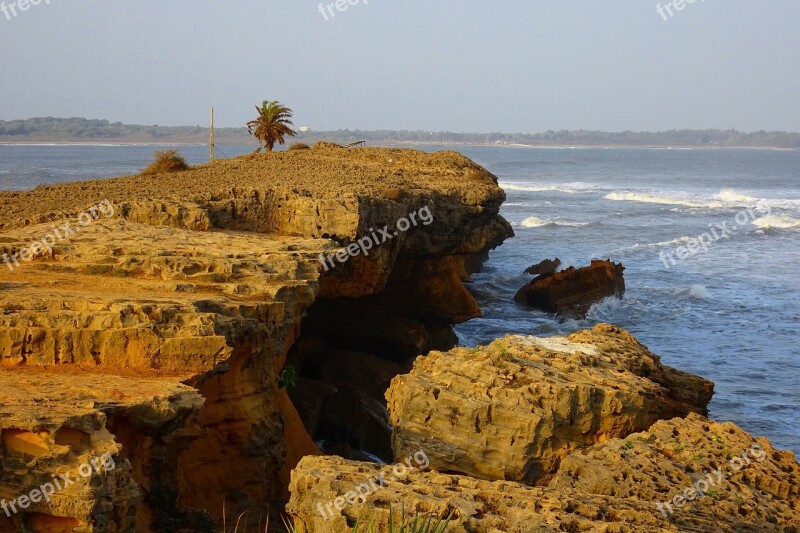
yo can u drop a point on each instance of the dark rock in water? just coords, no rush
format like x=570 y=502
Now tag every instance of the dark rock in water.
x=572 y=292
x=545 y=268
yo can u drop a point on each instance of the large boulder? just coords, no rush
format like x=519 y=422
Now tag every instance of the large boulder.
x=570 y=293
x=512 y=410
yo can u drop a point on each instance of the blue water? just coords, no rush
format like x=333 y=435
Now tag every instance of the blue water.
x=729 y=313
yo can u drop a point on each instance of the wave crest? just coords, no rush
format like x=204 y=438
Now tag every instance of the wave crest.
x=656 y=199
x=536 y=222
x=777 y=222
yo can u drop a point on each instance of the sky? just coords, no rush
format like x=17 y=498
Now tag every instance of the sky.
x=463 y=66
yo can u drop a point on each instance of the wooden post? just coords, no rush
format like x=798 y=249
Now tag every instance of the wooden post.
x=211 y=140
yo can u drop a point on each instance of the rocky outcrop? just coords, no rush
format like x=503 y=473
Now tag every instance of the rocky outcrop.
x=514 y=409
x=571 y=292
x=692 y=464
x=588 y=417
x=204 y=278
x=616 y=486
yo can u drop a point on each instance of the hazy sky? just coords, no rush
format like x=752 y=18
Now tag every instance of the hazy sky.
x=501 y=65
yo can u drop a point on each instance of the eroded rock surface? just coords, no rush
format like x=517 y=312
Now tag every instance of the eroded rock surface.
x=514 y=409
x=319 y=483
x=204 y=278
x=735 y=474
x=70 y=429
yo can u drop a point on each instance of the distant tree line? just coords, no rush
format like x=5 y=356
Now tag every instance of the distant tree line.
x=65 y=129
x=709 y=138
x=81 y=128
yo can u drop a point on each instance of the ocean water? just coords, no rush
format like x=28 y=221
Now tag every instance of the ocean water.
x=728 y=312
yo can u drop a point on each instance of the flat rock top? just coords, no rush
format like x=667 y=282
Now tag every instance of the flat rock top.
x=49 y=398
x=321 y=172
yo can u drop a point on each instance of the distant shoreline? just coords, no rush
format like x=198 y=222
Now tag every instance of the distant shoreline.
x=391 y=143
x=76 y=130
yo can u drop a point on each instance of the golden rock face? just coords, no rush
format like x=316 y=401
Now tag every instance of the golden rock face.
x=581 y=433
x=162 y=324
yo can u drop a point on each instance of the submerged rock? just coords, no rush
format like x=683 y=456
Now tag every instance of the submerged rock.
x=571 y=292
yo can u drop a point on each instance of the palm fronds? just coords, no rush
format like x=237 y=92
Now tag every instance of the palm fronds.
x=273 y=124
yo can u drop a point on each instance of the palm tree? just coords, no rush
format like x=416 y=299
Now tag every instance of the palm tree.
x=272 y=124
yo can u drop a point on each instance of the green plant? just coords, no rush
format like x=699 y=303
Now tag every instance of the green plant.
x=713 y=494
x=288 y=379
x=628 y=445
x=679 y=447
x=272 y=125
x=164 y=162
x=299 y=146
x=416 y=524
x=505 y=355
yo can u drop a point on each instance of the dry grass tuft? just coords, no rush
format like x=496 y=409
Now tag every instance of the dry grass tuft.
x=165 y=162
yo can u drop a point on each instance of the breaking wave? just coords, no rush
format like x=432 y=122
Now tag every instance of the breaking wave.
x=656 y=199
x=536 y=222
x=777 y=222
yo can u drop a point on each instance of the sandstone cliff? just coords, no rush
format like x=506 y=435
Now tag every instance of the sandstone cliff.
x=203 y=280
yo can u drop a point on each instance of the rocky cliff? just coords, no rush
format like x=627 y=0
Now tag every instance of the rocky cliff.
x=573 y=433
x=178 y=303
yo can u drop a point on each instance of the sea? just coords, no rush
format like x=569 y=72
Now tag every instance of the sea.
x=710 y=241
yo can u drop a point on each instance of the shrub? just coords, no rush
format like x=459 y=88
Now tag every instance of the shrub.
x=299 y=146
x=288 y=378
x=165 y=161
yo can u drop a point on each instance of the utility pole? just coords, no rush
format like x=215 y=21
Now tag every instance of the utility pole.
x=211 y=140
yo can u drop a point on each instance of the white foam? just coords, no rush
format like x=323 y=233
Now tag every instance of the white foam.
x=568 y=188
x=536 y=222
x=696 y=292
x=730 y=195
x=656 y=199
x=777 y=222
